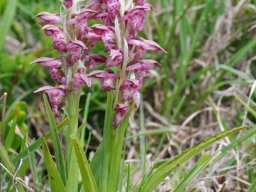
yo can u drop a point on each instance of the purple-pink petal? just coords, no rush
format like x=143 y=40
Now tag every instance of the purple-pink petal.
x=68 y=3
x=48 y=62
x=121 y=110
x=142 y=65
x=144 y=44
x=48 y=18
x=115 y=58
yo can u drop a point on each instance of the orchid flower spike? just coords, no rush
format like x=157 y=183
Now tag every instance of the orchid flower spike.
x=123 y=68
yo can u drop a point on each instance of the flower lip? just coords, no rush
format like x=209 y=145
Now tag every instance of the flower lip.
x=142 y=65
x=108 y=74
x=51 y=30
x=86 y=13
x=48 y=18
x=48 y=62
x=99 y=29
x=81 y=78
x=121 y=110
x=50 y=88
x=115 y=58
x=94 y=5
x=79 y=43
x=131 y=83
x=120 y=107
x=146 y=44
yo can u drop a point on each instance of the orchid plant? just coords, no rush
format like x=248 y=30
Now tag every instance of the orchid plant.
x=124 y=72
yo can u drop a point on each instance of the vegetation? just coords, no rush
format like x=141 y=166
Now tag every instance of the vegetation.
x=194 y=130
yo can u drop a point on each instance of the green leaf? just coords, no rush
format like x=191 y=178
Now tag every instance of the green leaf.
x=107 y=143
x=56 y=139
x=157 y=175
x=96 y=163
x=195 y=170
x=85 y=116
x=6 y=20
x=53 y=174
x=85 y=169
x=11 y=135
x=235 y=72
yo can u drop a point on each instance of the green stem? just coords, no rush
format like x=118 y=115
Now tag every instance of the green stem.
x=107 y=143
x=72 y=166
x=142 y=140
x=116 y=153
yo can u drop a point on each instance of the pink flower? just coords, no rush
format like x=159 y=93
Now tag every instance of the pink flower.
x=68 y=3
x=101 y=15
x=108 y=84
x=136 y=19
x=94 y=5
x=121 y=110
x=115 y=58
x=82 y=79
x=107 y=35
x=82 y=17
x=92 y=36
x=74 y=49
x=108 y=39
x=130 y=87
x=107 y=79
x=144 y=44
x=80 y=26
x=58 y=75
x=48 y=18
x=56 y=97
x=136 y=16
x=48 y=62
x=141 y=4
x=143 y=65
x=113 y=7
x=51 y=30
x=100 y=29
x=93 y=60
x=59 y=42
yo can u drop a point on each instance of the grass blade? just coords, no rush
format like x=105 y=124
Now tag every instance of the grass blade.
x=195 y=170
x=85 y=116
x=54 y=177
x=11 y=134
x=107 y=143
x=85 y=169
x=56 y=139
x=96 y=164
x=158 y=174
x=7 y=19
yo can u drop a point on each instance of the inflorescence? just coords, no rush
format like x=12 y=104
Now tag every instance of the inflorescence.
x=118 y=22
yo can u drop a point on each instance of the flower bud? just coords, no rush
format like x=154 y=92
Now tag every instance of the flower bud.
x=121 y=110
x=68 y=3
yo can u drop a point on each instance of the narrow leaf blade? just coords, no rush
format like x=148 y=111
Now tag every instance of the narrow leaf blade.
x=157 y=175
x=54 y=177
x=85 y=169
x=56 y=139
